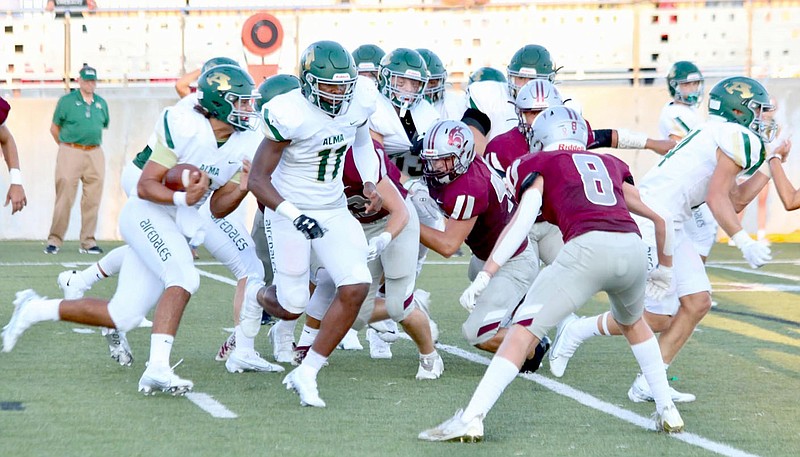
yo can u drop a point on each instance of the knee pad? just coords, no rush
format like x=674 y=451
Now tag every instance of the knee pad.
x=126 y=318
x=185 y=278
x=293 y=293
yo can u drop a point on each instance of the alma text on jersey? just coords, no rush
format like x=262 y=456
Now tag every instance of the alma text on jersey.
x=331 y=140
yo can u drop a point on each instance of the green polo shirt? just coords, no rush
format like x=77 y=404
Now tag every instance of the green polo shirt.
x=81 y=123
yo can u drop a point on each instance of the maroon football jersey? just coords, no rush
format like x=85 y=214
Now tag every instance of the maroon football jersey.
x=354 y=185
x=582 y=191
x=4 y=109
x=478 y=192
x=504 y=149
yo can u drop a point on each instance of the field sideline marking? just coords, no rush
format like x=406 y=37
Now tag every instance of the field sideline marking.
x=602 y=406
x=208 y=404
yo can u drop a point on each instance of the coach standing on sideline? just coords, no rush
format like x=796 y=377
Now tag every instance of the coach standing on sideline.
x=78 y=124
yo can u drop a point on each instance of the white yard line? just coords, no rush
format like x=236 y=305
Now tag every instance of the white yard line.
x=208 y=404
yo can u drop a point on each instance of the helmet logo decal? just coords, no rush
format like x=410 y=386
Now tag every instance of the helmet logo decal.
x=739 y=86
x=221 y=80
x=456 y=138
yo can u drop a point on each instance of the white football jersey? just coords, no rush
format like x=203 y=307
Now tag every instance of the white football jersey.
x=678 y=119
x=680 y=181
x=451 y=106
x=309 y=173
x=492 y=99
x=189 y=136
x=386 y=121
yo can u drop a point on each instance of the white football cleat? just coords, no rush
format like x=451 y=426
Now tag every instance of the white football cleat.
x=250 y=314
x=306 y=387
x=163 y=379
x=387 y=329
x=378 y=347
x=455 y=429
x=118 y=346
x=72 y=284
x=350 y=342
x=21 y=319
x=430 y=367
x=640 y=392
x=668 y=420
x=282 y=344
x=226 y=348
x=564 y=346
x=241 y=360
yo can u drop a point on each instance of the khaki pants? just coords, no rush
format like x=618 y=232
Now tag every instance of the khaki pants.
x=88 y=167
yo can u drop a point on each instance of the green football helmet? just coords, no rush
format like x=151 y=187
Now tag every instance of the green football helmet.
x=214 y=61
x=530 y=62
x=228 y=93
x=327 y=62
x=276 y=85
x=685 y=72
x=487 y=74
x=744 y=101
x=437 y=75
x=402 y=63
x=368 y=58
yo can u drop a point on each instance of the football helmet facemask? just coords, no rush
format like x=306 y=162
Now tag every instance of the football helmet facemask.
x=744 y=101
x=402 y=63
x=327 y=62
x=228 y=93
x=448 y=149
x=685 y=72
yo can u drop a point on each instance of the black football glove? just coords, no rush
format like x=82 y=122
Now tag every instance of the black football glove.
x=309 y=226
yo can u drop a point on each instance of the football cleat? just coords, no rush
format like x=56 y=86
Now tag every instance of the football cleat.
x=21 y=319
x=226 y=348
x=533 y=364
x=668 y=420
x=118 y=346
x=72 y=284
x=282 y=344
x=640 y=392
x=387 y=330
x=250 y=314
x=378 y=347
x=241 y=360
x=163 y=379
x=564 y=346
x=455 y=429
x=350 y=342
x=306 y=387
x=430 y=367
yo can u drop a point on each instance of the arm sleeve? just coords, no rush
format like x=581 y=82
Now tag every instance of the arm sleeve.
x=477 y=119
x=365 y=157
x=518 y=228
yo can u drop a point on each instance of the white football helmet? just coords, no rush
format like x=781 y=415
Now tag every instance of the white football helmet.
x=558 y=128
x=535 y=96
x=448 y=149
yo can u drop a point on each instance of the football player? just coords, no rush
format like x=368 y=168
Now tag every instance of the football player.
x=158 y=269
x=478 y=206
x=368 y=58
x=589 y=197
x=8 y=148
x=703 y=167
x=447 y=102
x=297 y=176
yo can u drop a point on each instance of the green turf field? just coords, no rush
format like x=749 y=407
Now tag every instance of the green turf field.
x=61 y=395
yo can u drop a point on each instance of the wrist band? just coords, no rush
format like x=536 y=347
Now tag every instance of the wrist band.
x=179 y=199
x=288 y=210
x=16 y=176
x=774 y=156
x=627 y=139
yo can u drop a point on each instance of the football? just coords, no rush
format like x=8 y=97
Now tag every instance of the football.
x=179 y=176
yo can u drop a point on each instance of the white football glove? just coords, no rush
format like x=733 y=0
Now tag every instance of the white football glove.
x=757 y=253
x=472 y=292
x=427 y=209
x=378 y=244
x=659 y=282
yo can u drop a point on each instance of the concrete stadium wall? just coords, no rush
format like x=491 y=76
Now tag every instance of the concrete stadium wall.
x=134 y=113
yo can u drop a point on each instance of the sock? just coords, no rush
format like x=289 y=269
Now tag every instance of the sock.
x=648 y=355
x=243 y=342
x=421 y=355
x=585 y=328
x=497 y=377
x=285 y=326
x=47 y=310
x=91 y=274
x=307 y=336
x=314 y=361
x=160 y=349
